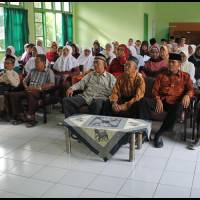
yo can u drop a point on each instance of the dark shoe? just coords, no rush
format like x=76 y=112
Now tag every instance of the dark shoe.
x=31 y=123
x=195 y=145
x=19 y=121
x=158 y=143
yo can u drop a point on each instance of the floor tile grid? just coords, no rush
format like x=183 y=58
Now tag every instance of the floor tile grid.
x=99 y=174
x=143 y=181
x=27 y=158
x=177 y=140
x=198 y=158
x=141 y=157
x=163 y=170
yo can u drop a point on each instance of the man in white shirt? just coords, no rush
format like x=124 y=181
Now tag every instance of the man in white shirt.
x=8 y=79
x=182 y=45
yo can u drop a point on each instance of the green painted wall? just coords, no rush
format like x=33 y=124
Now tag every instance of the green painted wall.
x=106 y=21
x=175 y=12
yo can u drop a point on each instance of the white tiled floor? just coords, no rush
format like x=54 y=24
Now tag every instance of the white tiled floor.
x=33 y=163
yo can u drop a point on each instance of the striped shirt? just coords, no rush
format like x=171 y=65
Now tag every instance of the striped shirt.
x=95 y=86
x=40 y=78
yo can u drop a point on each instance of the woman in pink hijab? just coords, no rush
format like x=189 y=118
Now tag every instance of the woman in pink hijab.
x=155 y=64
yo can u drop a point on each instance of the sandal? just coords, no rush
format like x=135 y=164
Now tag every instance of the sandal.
x=31 y=123
x=19 y=121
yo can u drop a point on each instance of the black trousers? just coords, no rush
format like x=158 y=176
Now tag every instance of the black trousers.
x=72 y=104
x=4 y=87
x=174 y=111
x=133 y=111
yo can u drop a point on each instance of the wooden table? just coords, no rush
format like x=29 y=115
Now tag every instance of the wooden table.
x=102 y=134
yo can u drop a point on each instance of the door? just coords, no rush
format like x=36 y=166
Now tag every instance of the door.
x=146 y=26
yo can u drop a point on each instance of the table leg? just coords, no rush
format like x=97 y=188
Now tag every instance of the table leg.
x=68 y=141
x=139 y=142
x=132 y=148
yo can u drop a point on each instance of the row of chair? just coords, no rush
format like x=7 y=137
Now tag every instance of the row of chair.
x=53 y=96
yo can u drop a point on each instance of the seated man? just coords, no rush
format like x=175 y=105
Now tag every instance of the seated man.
x=8 y=78
x=40 y=78
x=96 y=85
x=128 y=90
x=171 y=92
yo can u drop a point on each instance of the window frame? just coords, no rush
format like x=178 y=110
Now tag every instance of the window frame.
x=7 y=4
x=21 y=5
x=43 y=10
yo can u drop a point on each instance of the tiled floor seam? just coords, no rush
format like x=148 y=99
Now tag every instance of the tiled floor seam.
x=163 y=171
x=194 y=173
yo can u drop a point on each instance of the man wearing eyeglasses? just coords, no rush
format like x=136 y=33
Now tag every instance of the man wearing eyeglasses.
x=128 y=90
x=8 y=79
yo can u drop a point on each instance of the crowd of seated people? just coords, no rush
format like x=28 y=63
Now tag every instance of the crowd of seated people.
x=112 y=81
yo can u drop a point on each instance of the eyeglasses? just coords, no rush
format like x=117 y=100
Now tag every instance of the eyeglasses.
x=37 y=62
x=6 y=63
x=128 y=65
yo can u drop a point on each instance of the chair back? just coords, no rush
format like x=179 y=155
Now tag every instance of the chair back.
x=152 y=73
x=149 y=83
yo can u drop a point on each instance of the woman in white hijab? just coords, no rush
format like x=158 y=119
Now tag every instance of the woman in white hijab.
x=25 y=51
x=187 y=66
x=10 y=50
x=41 y=44
x=79 y=49
x=86 y=59
x=31 y=62
x=66 y=66
x=131 y=43
x=108 y=53
x=132 y=52
x=191 y=49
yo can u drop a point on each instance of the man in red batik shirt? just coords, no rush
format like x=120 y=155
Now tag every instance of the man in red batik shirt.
x=172 y=92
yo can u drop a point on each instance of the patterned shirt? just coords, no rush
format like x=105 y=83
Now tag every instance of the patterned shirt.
x=40 y=78
x=95 y=86
x=172 y=87
x=128 y=87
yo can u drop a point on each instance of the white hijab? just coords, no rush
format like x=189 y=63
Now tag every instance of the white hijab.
x=139 y=57
x=79 y=47
x=25 y=52
x=112 y=55
x=44 y=49
x=87 y=61
x=193 y=48
x=12 y=54
x=133 y=50
x=188 y=66
x=66 y=63
x=31 y=62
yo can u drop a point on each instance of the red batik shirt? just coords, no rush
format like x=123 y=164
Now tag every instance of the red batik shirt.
x=172 y=87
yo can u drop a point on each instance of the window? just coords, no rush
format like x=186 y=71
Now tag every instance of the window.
x=2 y=33
x=48 y=21
x=12 y=4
